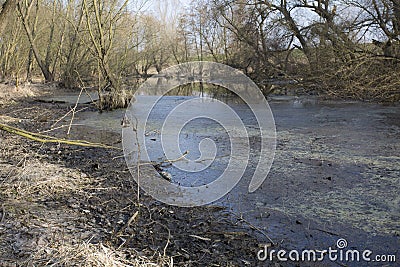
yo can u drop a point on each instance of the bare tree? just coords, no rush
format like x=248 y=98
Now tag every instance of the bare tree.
x=24 y=10
x=13 y=50
x=101 y=20
x=7 y=9
x=76 y=62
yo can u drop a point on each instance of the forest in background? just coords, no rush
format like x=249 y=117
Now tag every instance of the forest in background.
x=343 y=48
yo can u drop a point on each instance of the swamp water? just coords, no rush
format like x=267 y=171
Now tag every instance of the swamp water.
x=336 y=172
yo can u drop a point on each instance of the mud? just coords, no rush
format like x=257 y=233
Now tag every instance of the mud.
x=335 y=175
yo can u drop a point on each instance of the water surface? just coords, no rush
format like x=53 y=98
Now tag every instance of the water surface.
x=336 y=171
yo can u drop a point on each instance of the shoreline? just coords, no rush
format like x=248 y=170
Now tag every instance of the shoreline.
x=60 y=199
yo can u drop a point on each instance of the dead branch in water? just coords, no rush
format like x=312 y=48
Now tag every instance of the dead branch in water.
x=50 y=139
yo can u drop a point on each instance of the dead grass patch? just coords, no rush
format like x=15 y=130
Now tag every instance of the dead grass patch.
x=43 y=223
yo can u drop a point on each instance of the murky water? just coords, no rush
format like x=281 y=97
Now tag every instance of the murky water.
x=336 y=169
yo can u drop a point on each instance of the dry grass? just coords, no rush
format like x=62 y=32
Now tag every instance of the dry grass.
x=10 y=93
x=32 y=178
x=42 y=221
x=96 y=255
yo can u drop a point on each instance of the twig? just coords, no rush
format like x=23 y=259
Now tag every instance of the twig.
x=134 y=127
x=162 y=162
x=50 y=139
x=128 y=223
x=84 y=87
x=60 y=127
x=177 y=159
x=57 y=121
x=220 y=157
x=326 y=231
x=132 y=218
x=65 y=115
x=200 y=237
x=73 y=112
x=253 y=227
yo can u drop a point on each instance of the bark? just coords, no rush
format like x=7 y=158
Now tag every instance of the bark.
x=7 y=9
x=396 y=18
x=48 y=75
x=295 y=30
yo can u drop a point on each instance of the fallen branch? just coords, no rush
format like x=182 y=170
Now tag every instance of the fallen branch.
x=50 y=139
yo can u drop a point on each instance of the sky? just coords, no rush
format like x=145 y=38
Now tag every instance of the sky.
x=172 y=6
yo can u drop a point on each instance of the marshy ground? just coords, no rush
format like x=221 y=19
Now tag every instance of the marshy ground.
x=336 y=175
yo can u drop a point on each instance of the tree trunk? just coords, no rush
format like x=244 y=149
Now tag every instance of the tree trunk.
x=45 y=70
x=396 y=18
x=296 y=31
x=7 y=8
